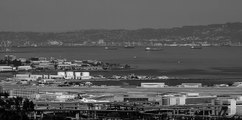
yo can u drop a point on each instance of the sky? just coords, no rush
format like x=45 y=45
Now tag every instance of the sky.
x=68 y=15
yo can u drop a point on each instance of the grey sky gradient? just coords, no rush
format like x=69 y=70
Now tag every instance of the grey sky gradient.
x=65 y=15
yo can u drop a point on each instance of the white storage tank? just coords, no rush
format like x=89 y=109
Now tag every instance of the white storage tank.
x=63 y=74
x=70 y=75
x=78 y=75
x=85 y=74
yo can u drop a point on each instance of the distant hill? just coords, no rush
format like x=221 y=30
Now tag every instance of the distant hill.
x=214 y=33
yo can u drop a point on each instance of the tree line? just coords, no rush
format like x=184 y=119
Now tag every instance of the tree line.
x=14 y=108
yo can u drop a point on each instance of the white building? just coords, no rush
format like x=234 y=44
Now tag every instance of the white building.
x=191 y=85
x=22 y=77
x=27 y=77
x=173 y=100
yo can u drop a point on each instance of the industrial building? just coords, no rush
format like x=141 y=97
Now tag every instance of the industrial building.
x=135 y=97
x=173 y=100
x=7 y=68
x=231 y=103
x=60 y=75
x=195 y=100
x=23 y=92
x=54 y=96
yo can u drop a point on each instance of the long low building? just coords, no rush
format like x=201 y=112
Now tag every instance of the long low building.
x=152 y=85
x=7 y=68
x=23 y=92
x=191 y=85
x=24 y=67
x=10 y=68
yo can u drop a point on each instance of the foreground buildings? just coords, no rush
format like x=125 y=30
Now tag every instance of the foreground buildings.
x=155 y=99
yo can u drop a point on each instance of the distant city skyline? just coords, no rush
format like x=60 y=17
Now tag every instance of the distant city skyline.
x=69 y=15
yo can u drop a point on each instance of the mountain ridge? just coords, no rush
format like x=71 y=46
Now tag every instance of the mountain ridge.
x=212 y=33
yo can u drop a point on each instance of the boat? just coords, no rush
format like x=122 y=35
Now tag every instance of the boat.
x=152 y=49
x=110 y=48
x=129 y=46
x=196 y=47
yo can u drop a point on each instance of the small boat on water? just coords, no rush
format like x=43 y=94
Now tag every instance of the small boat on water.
x=129 y=46
x=110 y=48
x=152 y=49
x=196 y=47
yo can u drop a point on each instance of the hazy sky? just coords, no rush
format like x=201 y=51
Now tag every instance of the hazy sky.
x=64 y=15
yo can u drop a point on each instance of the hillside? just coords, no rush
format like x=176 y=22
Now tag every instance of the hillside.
x=229 y=33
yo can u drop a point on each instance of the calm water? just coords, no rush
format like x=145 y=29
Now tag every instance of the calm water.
x=173 y=61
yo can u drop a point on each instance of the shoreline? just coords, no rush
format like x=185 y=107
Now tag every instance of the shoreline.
x=214 y=73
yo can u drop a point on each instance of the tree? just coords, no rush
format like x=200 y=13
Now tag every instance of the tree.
x=28 y=105
x=2 y=103
x=5 y=94
x=31 y=106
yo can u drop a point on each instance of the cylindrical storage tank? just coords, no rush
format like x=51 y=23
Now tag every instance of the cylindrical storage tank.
x=78 y=75
x=69 y=74
x=61 y=74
